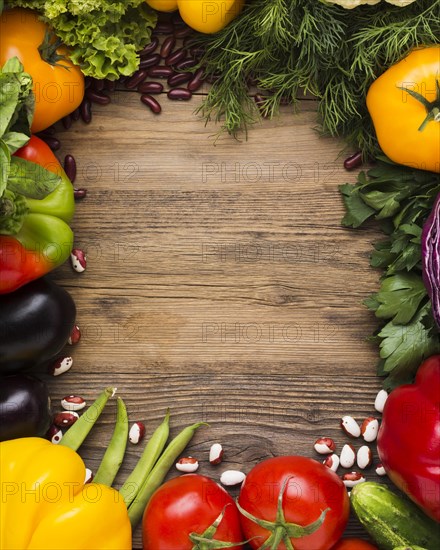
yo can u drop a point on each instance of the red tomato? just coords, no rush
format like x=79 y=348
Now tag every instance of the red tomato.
x=354 y=544
x=189 y=504
x=311 y=488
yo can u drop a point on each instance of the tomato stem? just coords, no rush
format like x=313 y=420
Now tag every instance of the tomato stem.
x=205 y=541
x=280 y=529
x=432 y=107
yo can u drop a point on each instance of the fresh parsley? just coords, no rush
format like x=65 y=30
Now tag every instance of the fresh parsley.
x=399 y=199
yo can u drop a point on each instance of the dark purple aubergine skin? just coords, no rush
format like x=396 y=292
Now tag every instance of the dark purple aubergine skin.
x=24 y=407
x=35 y=323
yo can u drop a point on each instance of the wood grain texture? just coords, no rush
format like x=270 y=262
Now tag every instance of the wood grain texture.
x=220 y=281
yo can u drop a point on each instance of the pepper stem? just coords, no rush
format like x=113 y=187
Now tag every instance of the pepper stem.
x=280 y=529
x=48 y=50
x=432 y=107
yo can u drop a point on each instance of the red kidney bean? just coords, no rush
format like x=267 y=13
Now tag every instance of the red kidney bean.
x=70 y=167
x=110 y=85
x=179 y=94
x=53 y=142
x=138 y=77
x=185 y=64
x=97 y=85
x=150 y=61
x=167 y=46
x=197 y=81
x=86 y=110
x=75 y=114
x=160 y=72
x=152 y=103
x=150 y=88
x=80 y=193
x=353 y=161
x=98 y=97
x=149 y=48
x=183 y=31
x=48 y=131
x=163 y=28
x=179 y=79
x=67 y=122
x=175 y=57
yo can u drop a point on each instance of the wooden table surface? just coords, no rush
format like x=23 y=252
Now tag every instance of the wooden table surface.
x=220 y=283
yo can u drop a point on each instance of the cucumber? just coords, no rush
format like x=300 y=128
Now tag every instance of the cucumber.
x=393 y=521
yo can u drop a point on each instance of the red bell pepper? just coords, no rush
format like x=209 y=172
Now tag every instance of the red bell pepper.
x=44 y=239
x=409 y=437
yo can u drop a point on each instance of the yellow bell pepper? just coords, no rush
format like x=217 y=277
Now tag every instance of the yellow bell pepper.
x=207 y=16
x=46 y=505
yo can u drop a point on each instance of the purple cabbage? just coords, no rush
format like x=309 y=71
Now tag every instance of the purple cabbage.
x=431 y=258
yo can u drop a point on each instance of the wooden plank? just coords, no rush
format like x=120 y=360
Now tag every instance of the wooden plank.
x=253 y=417
x=219 y=281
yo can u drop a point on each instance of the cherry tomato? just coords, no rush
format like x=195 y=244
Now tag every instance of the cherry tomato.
x=302 y=489
x=189 y=504
x=353 y=544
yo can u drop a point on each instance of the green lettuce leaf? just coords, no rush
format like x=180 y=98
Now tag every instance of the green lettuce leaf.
x=103 y=35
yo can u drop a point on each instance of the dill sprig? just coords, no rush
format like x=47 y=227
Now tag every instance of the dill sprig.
x=294 y=47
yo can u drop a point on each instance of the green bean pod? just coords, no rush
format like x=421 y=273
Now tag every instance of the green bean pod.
x=149 y=457
x=160 y=470
x=76 y=434
x=114 y=455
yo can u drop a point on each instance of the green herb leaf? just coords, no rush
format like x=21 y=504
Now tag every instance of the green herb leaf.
x=5 y=163
x=357 y=211
x=13 y=65
x=15 y=140
x=401 y=198
x=404 y=347
x=399 y=298
x=9 y=94
x=30 y=179
x=17 y=102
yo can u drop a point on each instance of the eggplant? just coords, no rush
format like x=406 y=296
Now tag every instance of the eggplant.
x=35 y=323
x=24 y=407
